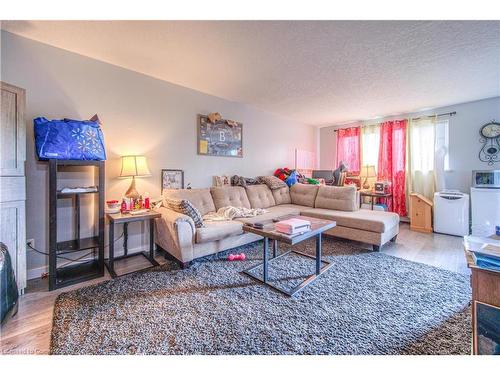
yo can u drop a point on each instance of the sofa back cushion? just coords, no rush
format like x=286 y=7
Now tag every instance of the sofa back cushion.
x=342 y=198
x=224 y=196
x=282 y=195
x=200 y=198
x=303 y=194
x=260 y=196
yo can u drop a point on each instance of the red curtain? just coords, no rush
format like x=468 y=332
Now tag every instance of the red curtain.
x=392 y=162
x=348 y=148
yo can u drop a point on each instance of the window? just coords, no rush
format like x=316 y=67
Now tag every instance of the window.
x=429 y=156
x=348 y=151
x=370 y=143
x=422 y=145
x=442 y=142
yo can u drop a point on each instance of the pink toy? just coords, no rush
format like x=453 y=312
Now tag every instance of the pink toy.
x=232 y=257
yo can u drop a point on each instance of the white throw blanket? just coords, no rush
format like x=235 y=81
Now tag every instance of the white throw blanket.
x=230 y=213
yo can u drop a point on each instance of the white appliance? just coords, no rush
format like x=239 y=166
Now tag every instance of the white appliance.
x=485 y=210
x=486 y=179
x=451 y=212
x=485 y=201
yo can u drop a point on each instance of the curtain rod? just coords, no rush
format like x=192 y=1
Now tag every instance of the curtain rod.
x=441 y=114
x=415 y=118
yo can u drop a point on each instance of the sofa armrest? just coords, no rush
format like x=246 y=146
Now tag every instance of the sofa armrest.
x=175 y=233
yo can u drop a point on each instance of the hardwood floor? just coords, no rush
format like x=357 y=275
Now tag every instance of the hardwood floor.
x=29 y=331
x=439 y=250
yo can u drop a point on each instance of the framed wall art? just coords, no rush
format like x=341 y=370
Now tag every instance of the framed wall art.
x=172 y=179
x=223 y=180
x=219 y=137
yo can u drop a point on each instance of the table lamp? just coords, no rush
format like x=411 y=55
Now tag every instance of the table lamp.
x=134 y=166
x=367 y=171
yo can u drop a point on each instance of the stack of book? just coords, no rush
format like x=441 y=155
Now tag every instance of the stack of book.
x=293 y=226
x=486 y=255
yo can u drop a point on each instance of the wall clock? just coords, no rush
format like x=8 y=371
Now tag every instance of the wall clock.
x=490 y=137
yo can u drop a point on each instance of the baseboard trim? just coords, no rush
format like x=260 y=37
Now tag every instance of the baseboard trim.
x=36 y=273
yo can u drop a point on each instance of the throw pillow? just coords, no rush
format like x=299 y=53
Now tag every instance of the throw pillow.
x=272 y=182
x=242 y=181
x=183 y=206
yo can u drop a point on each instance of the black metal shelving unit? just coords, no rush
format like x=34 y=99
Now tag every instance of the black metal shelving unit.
x=82 y=270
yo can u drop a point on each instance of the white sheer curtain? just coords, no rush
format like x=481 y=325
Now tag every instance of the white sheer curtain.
x=370 y=142
x=441 y=159
x=428 y=155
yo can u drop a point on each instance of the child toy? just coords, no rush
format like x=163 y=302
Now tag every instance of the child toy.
x=232 y=257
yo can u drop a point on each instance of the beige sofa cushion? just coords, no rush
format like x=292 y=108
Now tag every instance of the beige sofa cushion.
x=341 y=198
x=303 y=194
x=217 y=230
x=235 y=196
x=200 y=198
x=282 y=195
x=373 y=221
x=260 y=196
x=274 y=212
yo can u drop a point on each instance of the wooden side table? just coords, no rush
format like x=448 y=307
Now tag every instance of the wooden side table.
x=125 y=219
x=373 y=195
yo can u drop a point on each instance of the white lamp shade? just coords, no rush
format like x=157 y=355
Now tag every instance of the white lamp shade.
x=368 y=171
x=134 y=166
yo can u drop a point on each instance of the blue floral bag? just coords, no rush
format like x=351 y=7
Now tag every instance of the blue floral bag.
x=69 y=139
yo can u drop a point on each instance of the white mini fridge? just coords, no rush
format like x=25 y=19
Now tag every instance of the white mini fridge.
x=451 y=213
x=485 y=210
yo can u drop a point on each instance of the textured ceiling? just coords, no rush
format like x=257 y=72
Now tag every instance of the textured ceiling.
x=316 y=72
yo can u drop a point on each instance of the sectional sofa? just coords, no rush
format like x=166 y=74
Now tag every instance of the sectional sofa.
x=177 y=235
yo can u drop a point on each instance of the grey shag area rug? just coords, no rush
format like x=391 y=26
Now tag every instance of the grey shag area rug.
x=366 y=303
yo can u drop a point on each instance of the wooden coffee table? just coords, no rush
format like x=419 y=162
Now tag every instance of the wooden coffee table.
x=318 y=226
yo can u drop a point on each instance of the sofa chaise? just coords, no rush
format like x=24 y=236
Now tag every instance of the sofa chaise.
x=178 y=236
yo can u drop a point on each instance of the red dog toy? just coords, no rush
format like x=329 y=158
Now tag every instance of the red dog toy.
x=236 y=257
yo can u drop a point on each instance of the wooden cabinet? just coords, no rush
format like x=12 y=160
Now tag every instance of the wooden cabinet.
x=485 y=291
x=420 y=213
x=12 y=178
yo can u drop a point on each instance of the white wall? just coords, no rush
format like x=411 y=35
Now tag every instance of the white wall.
x=141 y=115
x=464 y=138
x=327 y=148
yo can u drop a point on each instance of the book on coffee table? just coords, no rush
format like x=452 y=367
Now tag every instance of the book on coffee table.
x=293 y=226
